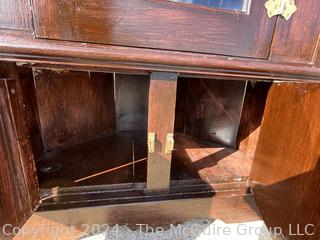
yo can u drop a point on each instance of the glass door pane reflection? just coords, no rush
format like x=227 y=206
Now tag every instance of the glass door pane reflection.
x=237 y=5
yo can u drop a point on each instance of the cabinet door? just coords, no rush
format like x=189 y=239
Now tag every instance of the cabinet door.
x=18 y=183
x=237 y=27
x=286 y=166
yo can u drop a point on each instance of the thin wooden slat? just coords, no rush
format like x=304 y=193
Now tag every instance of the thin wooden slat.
x=161 y=111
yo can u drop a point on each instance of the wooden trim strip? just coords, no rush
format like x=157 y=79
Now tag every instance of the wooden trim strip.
x=22 y=48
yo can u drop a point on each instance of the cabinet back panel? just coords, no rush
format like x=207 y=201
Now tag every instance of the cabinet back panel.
x=210 y=109
x=74 y=107
x=131 y=98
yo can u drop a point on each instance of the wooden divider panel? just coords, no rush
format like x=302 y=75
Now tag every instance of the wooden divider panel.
x=161 y=111
x=286 y=166
x=18 y=183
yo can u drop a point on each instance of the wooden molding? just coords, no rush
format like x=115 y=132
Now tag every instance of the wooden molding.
x=21 y=47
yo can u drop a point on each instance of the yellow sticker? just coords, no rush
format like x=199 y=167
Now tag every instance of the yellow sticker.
x=280 y=7
x=289 y=9
x=274 y=7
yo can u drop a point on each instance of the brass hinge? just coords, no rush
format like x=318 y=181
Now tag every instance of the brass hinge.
x=284 y=8
x=169 y=144
x=151 y=141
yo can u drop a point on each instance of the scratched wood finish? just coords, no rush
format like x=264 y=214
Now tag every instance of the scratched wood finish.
x=157 y=24
x=18 y=182
x=161 y=110
x=74 y=107
x=15 y=15
x=286 y=166
x=297 y=40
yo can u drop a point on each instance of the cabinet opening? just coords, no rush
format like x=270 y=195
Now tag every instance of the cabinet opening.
x=88 y=128
x=216 y=129
x=88 y=132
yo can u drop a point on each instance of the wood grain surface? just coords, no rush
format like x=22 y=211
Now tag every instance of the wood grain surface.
x=157 y=24
x=285 y=171
x=297 y=40
x=210 y=108
x=74 y=107
x=18 y=181
x=15 y=15
x=251 y=116
x=97 y=57
x=161 y=110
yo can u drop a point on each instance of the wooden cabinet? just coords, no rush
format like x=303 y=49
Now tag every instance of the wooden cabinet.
x=136 y=103
x=201 y=140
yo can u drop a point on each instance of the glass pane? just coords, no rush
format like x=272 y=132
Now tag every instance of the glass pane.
x=238 y=5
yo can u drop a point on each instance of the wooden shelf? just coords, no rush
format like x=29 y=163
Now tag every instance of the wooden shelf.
x=104 y=161
x=109 y=161
x=195 y=158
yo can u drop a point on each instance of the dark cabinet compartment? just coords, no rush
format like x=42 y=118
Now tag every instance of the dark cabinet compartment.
x=89 y=128
x=216 y=128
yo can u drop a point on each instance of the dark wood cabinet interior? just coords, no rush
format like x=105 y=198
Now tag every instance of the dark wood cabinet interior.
x=110 y=103
x=90 y=128
x=210 y=125
x=86 y=135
